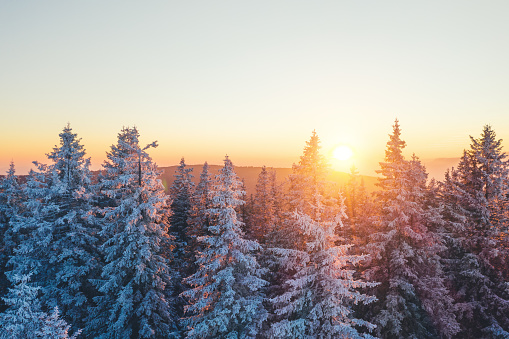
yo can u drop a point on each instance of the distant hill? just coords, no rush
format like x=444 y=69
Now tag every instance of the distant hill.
x=436 y=167
x=250 y=175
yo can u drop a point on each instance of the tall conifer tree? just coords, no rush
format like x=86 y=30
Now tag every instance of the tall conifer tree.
x=56 y=238
x=11 y=200
x=199 y=217
x=474 y=197
x=264 y=205
x=413 y=298
x=318 y=289
x=225 y=299
x=132 y=302
x=182 y=259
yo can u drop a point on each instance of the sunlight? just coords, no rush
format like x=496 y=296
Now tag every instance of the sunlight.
x=342 y=152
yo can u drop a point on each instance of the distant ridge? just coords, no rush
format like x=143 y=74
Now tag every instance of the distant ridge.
x=437 y=167
x=250 y=175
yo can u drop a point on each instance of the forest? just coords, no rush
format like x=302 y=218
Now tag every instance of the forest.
x=112 y=255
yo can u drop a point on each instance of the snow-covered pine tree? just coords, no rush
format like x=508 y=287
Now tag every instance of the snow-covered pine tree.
x=266 y=228
x=473 y=202
x=199 y=218
x=264 y=205
x=360 y=210
x=11 y=200
x=183 y=260
x=493 y=168
x=308 y=177
x=225 y=299
x=74 y=244
x=132 y=303
x=53 y=327
x=59 y=243
x=180 y=192
x=319 y=296
x=24 y=318
x=413 y=298
x=316 y=286
x=32 y=230
x=245 y=211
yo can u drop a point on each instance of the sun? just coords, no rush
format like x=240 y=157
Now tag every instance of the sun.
x=342 y=152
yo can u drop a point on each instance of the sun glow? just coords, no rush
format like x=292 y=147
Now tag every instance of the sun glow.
x=342 y=152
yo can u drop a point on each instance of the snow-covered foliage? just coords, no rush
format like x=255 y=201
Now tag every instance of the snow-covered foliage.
x=11 y=200
x=360 y=209
x=114 y=254
x=308 y=178
x=56 y=241
x=182 y=260
x=317 y=285
x=263 y=207
x=24 y=318
x=320 y=295
x=413 y=298
x=135 y=273
x=225 y=299
x=474 y=197
x=199 y=218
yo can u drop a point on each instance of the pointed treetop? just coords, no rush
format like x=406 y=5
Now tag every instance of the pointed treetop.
x=227 y=162
x=312 y=147
x=12 y=170
x=488 y=143
x=395 y=145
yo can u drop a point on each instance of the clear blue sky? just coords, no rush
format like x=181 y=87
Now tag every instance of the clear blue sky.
x=252 y=79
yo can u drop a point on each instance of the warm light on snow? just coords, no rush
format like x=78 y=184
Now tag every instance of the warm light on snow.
x=343 y=152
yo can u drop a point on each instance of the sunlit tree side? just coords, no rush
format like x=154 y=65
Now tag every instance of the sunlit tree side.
x=317 y=288
x=360 y=209
x=474 y=200
x=320 y=294
x=413 y=298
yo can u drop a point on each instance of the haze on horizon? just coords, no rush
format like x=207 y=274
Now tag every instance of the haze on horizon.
x=252 y=80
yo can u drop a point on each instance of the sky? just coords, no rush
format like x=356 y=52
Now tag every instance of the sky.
x=252 y=79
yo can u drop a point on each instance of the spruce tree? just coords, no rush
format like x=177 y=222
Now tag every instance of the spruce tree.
x=57 y=242
x=360 y=210
x=182 y=259
x=264 y=205
x=308 y=177
x=132 y=302
x=473 y=199
x=199 y=217
x=11 y=200
x=225 y=299
x=316 y=289
x=320 y=294
x=413 y=298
